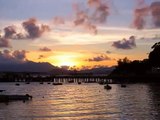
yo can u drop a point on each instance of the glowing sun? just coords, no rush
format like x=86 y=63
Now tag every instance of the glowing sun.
x=65 y=60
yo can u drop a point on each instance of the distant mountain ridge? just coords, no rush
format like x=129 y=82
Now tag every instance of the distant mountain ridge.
x=99 y=70
x=28 y=66
x=46 y=67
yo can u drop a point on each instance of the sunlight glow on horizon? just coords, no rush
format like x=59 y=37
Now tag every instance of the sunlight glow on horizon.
x=68 y=59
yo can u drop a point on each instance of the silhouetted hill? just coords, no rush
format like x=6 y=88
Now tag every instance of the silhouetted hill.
x=27 y=67
x=99 y=70
x=30 y=66
x=146 y=70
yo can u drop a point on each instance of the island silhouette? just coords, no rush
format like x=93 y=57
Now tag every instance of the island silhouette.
x=146 y=70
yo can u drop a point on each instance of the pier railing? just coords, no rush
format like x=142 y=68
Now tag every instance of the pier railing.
x=57 y=78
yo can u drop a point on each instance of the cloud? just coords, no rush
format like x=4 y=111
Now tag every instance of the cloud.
x=98 y=58
x=58 y=20
x=33 y=30
x=96 y=11
x=8 y=34
x=45 y=49
x=155 y=11
x=41 y=56
x=9 y=31
x=140 y=14
x=125 y=44
x=143 y=11
x=31 y=27
x=83 y=19
x=19 y=36
x=101 y=10
x=4 y=43
x=108 y=52
x=91 y=28
x=81 y=15
x=139 y=17
x=17 y=56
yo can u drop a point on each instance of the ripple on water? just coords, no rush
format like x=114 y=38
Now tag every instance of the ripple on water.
x=82 y=102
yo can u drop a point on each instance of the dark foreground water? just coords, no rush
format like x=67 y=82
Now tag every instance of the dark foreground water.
x=82 y=102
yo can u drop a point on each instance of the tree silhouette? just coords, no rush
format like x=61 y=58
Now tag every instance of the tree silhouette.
x=154 y=56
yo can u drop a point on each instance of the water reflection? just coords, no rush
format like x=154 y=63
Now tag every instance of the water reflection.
x=155 y=103
x=83 y=102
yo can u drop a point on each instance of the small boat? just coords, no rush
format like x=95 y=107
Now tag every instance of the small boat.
x=41 y=83
x=27 y=82
x=7 y=98
x=57 y=84
x=107 y=87
x=17 y=84
x=79 y=83
x=123 y=85
x=2 y=90
x=49 y=83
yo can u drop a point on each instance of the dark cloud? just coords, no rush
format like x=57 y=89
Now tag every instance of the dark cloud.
x=139 y=17
x=101 y=10
x=17 y=56
x=140 y=14
x=108 y=52
x=91 y=28
x=155 y=11
x=96 y=11
x=33 y=30
x=6 y=54
x=45 y=49
x=81 y=15
x=83 y=19
x=125 y=44
x=9 y=31
x=4 y=42
x=98 y=58
x=41 y=56
x=143 y=10
x=19 y=36
x=30 y=26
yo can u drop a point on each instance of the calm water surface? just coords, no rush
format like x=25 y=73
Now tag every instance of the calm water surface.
x=82 y=102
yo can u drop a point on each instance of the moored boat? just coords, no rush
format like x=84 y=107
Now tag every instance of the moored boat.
x=7 y=98
x=123 y=85
x=17 y=84
x=41 y=83
x=79 y=83
x=57 y=84
x=107 y=87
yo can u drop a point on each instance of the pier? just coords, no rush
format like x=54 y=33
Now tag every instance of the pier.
x=39 y=77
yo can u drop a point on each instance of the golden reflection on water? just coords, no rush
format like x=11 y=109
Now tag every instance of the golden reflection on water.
x=80 y=102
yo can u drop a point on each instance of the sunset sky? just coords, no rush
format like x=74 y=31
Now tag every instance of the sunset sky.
x=82 y=33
